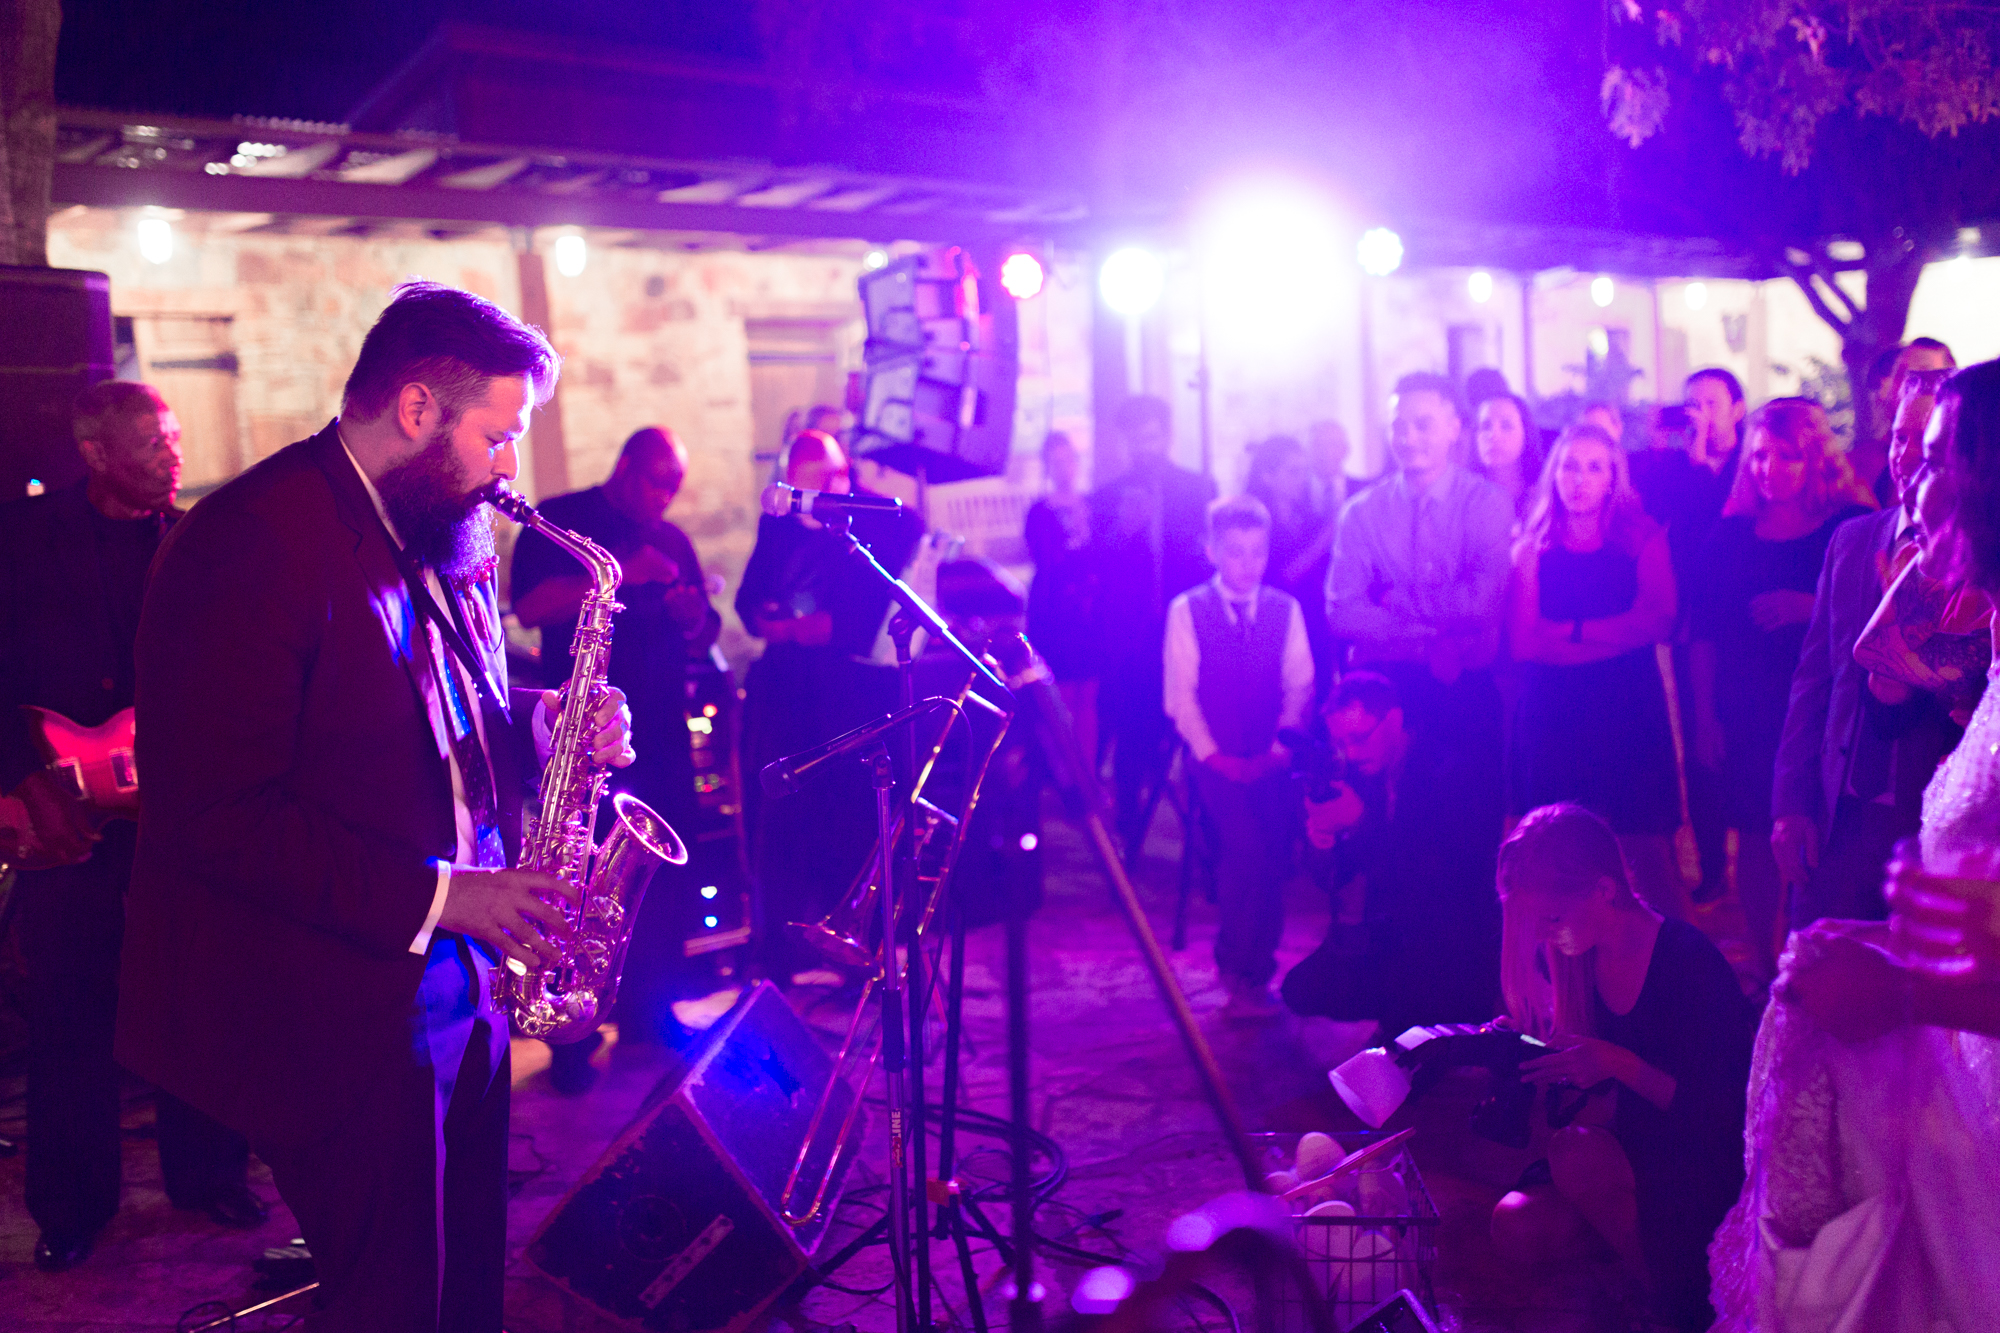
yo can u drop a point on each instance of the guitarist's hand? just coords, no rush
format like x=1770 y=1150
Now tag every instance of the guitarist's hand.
x=62 y=825
x=515 y=911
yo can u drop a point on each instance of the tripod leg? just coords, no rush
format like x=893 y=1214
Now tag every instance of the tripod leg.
x=1025 y=1314
x=951 y=1217
x=894 y=1056
x=920 y=1281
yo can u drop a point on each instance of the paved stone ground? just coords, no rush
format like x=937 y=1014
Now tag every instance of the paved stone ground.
x=1112 y=1086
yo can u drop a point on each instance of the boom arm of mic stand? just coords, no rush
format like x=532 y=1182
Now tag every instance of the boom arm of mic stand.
x=933 y=624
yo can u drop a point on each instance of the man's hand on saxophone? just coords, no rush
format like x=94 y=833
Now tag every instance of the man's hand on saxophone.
x=611 y=744
x=515 y=911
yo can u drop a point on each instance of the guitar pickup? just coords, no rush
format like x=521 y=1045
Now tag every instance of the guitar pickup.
x=124 y=770
x=71 y=773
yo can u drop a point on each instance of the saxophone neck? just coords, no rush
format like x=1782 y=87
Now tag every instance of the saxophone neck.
x=603 y=566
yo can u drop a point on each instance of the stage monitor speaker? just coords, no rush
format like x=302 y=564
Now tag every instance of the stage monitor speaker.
x=676 y=1228
x=943 y=356
x=55 y=342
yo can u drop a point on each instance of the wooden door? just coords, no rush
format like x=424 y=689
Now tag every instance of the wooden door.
x=191 y=360
x=795 y=364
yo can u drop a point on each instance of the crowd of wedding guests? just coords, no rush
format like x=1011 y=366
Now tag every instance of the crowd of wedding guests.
x=1693 y=688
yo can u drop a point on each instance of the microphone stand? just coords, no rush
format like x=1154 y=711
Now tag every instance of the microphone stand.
x=902 y=632
x=902 y=1048
x=883 y=770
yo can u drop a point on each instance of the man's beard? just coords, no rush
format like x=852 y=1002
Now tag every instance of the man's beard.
x=440 y=524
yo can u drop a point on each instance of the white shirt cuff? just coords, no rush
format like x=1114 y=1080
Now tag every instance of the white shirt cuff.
x=422 y=943
x=543 y=726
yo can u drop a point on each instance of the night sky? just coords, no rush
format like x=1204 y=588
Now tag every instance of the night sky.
x=314 y=60
x=1472 y=109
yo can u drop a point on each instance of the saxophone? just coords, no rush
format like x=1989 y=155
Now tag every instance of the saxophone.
x=564 y=1003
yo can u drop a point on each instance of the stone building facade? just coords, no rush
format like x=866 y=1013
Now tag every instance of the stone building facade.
x=251 y=330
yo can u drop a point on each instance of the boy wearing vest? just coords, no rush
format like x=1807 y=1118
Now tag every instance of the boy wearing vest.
x=1239 y=668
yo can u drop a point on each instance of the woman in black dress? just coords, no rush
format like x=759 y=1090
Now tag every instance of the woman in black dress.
x=1591 y=597
x=1752 y=599
x=1646 y=1013
x=1062 y=601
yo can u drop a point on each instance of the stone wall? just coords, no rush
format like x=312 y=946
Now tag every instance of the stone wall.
x=651 y=337
x=651 y=334
x=300 y=304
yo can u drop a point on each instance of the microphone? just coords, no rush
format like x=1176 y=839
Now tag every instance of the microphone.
x=780 y=500
x=781 y=777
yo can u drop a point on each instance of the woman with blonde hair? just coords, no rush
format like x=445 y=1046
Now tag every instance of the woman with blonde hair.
x=1592 y=593
x=1645 y=1014
x=1752 y=601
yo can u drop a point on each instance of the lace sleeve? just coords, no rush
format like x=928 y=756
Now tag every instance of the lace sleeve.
x=1791 y=1155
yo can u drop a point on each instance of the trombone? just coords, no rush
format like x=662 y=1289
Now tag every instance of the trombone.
x=841 y=936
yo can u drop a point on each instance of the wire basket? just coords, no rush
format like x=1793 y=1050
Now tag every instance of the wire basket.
x=1390 y=1244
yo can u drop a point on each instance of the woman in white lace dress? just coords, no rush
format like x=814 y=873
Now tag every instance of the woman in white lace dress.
x=1872 y=1192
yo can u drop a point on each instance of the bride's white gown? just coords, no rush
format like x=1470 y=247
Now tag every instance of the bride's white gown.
x=1872 y=1199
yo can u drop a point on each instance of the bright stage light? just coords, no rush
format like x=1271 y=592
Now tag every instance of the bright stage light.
x=1695 y=294
x=1132 y=281
x=875 y=259
x=1380 y=252
x=1601 y=290
x=156 y=239
x=1021 y=275
x=1274 y=267
x=1480 y=286
x=572 y=253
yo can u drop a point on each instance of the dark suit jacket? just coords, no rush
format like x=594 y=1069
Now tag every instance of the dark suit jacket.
x=1830 y=702
x=59 y=645
x=1136 y=582
x=295 y=798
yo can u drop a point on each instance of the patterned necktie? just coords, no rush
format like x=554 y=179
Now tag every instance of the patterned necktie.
x=473 y=771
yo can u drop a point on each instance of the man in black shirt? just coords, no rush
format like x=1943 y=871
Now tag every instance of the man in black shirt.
x=1685 y=489
x=667 y=620
x=1406 y=847
x=72 y=575
x=1147 y=529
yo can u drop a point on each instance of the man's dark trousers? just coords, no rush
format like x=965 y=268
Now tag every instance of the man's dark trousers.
x=1253 y=826
x=72 y=922
x=439 y=1112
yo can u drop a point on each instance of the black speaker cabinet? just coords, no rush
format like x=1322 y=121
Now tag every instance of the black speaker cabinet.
x=55 y=342
x=677 y=1229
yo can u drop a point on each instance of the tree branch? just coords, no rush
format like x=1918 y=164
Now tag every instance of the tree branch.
x=1802 y=276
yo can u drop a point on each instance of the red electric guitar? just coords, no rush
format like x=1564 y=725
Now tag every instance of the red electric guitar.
x=95 y=763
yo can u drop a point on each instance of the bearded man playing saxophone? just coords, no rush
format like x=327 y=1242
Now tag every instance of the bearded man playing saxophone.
x=334 y=774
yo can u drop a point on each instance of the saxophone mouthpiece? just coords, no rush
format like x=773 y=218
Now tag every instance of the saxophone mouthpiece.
x=509 y=502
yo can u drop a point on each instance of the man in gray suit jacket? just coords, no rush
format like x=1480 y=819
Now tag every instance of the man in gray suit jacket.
x=1851 y=770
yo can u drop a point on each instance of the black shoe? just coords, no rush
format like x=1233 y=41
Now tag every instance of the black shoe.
x=570 y=1069
x=235 y=1207
x=285 y=1267
x=59 y=1254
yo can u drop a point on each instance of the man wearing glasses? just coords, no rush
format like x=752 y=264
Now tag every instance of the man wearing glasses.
x=1405 y=846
